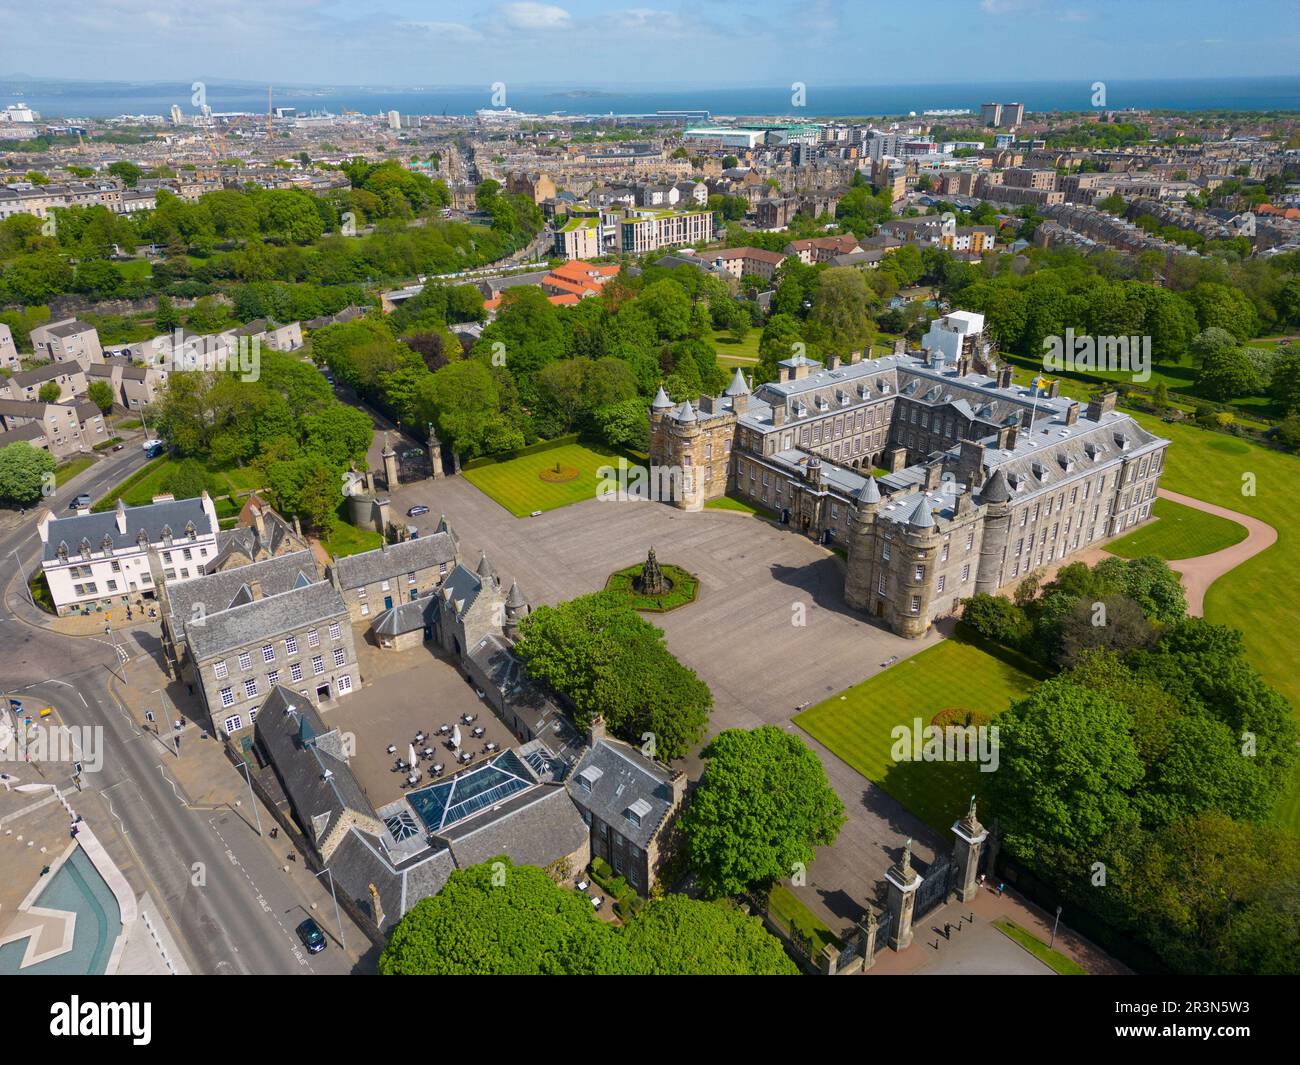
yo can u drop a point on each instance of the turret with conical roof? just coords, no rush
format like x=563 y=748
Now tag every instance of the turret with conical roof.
x=995 y=533
x=685 y=413
x=921 y=517
x=516 y=609
x=661 y=400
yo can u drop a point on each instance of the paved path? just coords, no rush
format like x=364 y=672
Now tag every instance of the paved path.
x=1199 y=573
x=979 y=949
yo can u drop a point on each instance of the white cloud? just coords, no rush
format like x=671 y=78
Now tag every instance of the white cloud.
x=452 y=31
x=527 y=15
x=1006 y=7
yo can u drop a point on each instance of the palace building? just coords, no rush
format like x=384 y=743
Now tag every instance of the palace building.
x=936 y=475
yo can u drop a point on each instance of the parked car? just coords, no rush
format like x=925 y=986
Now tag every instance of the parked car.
x=417 y=510
x=83 y=500
x=117 y=447
x=312 y=937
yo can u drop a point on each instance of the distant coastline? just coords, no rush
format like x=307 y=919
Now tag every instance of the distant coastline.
x=69 y=99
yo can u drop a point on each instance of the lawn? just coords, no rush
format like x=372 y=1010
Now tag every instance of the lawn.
x=731 y=503
x=1256 y=596
x=733 y=352
x=65 y=471
x=857 y=724
x=518 y=486
x=784 y=907
x=349 y=540
x=139 y=489
x=1179 y=532
x=1040 y=950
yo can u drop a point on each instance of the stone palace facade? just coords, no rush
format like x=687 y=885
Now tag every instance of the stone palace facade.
x=937 y=475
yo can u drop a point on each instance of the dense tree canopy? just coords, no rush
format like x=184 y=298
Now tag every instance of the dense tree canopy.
x=605 y=659
x=762 y=805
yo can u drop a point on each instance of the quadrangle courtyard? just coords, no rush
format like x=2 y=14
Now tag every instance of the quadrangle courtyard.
x=740 y=636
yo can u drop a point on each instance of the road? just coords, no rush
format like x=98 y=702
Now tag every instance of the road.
x=233 y=906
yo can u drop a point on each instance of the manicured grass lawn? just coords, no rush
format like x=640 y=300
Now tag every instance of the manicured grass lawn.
x=683 y=590
x=135 y=269
x=1257 y=596
x=1179 y=532
x=784 y=907
x=730 y=503
x=67 y=470
x=857 y=723
x=1053 y=958
x=349 y=540
x=517 y=485
x=732 y=352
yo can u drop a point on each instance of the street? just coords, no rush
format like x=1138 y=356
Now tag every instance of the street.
x=232 y=906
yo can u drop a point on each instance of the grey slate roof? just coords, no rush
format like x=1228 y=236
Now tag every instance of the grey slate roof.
x=620 y=776
x=152 y=518
x=217 y=591
x=534 y=827
x=265 y=619
x=461 y=587
x=308 y=762
x=393 y=560
x=361 y=860
x=406 y=617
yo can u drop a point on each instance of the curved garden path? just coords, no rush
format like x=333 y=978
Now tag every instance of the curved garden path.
x=1199 y=573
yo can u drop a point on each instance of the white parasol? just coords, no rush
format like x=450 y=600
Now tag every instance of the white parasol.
x=455 y=737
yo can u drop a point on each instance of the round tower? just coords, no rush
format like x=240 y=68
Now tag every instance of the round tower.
x=686 y=454
x=917 y=548
x=996 y=499
x=860 y=569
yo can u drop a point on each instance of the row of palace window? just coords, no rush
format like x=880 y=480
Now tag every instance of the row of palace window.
x=245 y=659
x=273 y=677
x=235 y=722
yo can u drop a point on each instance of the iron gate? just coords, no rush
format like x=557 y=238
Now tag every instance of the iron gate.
x=934 y=888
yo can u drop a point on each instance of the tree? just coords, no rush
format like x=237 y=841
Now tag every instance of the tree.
x=128 y=172
x=188 y=478
x=100 y=393
x=761 y=807
x=1225 y=373
x=1115 y=623
x=23 y=472
x=996 y=617
x=680 y=936
x=840 y=314
x=1068 y=764
x=499 y=918
x=606 y=660
x=49 y=392
x=1284 y=381
x=165 y=317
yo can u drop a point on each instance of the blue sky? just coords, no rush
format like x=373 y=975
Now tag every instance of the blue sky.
x=629 y=43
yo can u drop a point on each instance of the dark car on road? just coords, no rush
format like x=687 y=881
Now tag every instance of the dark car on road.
x=312 y=937
x=82 y=500
x=417 y=510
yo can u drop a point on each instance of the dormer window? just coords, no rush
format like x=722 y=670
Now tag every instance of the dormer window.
x=190 y=531
x=106 y=544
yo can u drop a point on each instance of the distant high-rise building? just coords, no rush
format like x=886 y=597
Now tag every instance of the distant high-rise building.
x=1003 y=116
x=177 y=117
x=394 y=120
